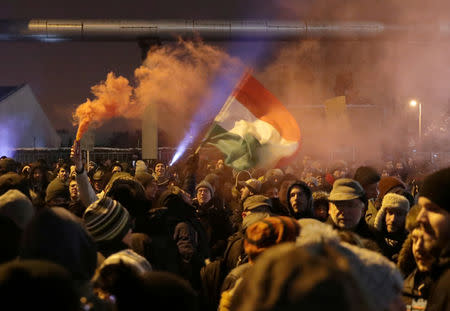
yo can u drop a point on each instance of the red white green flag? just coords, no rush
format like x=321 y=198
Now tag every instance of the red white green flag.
x=254 y=129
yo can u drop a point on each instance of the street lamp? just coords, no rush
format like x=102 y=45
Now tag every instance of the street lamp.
x=414 y=103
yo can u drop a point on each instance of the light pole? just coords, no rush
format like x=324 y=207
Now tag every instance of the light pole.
x=414 y=103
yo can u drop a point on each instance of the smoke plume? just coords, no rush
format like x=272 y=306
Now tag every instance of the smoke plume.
x=174 y=77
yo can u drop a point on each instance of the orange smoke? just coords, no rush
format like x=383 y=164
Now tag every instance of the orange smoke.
x=175 y=77
x=113 y=99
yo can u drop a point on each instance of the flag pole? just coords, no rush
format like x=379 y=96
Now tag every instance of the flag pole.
x=247 y=73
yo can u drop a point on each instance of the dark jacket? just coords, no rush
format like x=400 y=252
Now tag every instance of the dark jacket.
x=308 y=213
x=188 y=233
x=215 y=220
x=367 y=235
x=431 y=287
x=391 y=244
x=439 y=298
x=416 y=288
x=213 y=275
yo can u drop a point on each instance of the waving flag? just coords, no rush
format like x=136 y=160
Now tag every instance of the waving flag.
x=254 y=129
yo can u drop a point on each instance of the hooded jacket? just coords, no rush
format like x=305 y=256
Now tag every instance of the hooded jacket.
x=187 y=232
x=308 y=213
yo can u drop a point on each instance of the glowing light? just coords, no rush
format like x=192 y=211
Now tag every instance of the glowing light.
x=250 y=54
x=10 y=134
x=413 y=103
x=221 y=89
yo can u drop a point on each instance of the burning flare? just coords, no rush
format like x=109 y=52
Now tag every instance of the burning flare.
x=113 y=99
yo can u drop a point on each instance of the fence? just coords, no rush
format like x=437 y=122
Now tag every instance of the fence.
x=165 y=154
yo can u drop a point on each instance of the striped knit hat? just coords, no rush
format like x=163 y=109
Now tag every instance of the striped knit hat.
x=107 y=220
x=129 y=258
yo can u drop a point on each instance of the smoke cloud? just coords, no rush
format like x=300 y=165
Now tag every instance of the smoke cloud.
x=174 y=77
x=377 y=77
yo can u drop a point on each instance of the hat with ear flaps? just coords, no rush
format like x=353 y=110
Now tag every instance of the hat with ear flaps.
x=390 y=200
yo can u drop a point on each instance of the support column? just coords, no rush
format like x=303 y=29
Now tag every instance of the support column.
x=149 y=118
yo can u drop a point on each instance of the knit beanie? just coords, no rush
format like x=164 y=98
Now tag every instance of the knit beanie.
x=390 y=200
x=16 y=206
x=269 y=232
x=257 y=201
x=11 y=180
x=141 y=167
x=436 y=188
x=388 y=183
x=366 y=175
x=57 y=189
x=107 y=220
x=205 y=184
x=130 y=258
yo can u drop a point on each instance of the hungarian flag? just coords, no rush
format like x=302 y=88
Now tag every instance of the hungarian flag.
x=254 y=129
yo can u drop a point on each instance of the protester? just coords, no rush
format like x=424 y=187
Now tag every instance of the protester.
x=386 y=185
x=390 y=224
x=75 y=205
x=216 y=228
x=299 y=200
x=213 y=217
x=434 y=220
x=346 y=209
x=320 y=205
x=259 y=237
x=187 y=232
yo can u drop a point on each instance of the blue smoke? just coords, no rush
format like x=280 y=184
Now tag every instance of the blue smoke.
x=250 y=53
x=221 y=89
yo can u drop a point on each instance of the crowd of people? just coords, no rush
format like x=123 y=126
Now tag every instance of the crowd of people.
x=202 y=236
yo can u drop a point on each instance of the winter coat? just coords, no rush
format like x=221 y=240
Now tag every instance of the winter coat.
x=309 y=208
x=367 y=235
x=391 y=244
x=215 y=220
x=416 y=289
x=433 y=286
x=213 y=274
x=188 y=234
x=439 y=298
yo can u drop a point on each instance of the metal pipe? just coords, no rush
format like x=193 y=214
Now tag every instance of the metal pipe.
x=53 y=30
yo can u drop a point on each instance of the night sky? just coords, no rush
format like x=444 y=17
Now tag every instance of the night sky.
x=61 y=74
